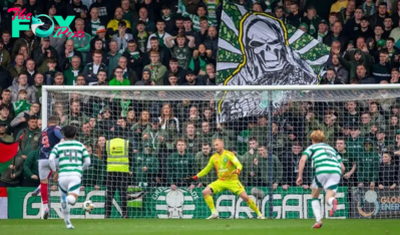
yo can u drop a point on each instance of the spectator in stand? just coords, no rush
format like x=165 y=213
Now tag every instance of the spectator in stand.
x=80 y=10
x=353 y=24
x=6 y=118
x=181 y=50
x=97 y=46
x=337 y=35
x=5 y=55
x=381 y=70
x=201 y=160
x=92 y=69
x=323 y=30
x=180 y=165
x=3 y=132
x=160 y=34
x=18 y=68
x=358 y=59
x=348 y=12
x=388 y=24
x=211 y=41
x=128 y=72
x=369 y=7
x=118 y=79
x=112 y=57
x=379 y=17
x=146 y=167
x=73 y=71
x=103 y=7
x=144 y=16
x=94 y=23
x=112 y=26
x=141 y=36
x=376 y=117
x=31 y=171
x=75 y=113
x=21 y=83
x=388 y=173
x=193 y=80
x=8 y=44
x=178 y=71
x=82 y=44
x=134 y=57
x=290 y=168
x=168 y=18
x=43 y=54
x=122 y=37
x=364 y=31
x=247 y=159
x=312 y=20
x=368 y=166
x=342 y=75
x=349 y=178
x=30 y=70
x=157 y=69
x=66 y=56
x=28 y=39
x=295 y=15
x=193 y=142
x=101 y=34
x=261 y=168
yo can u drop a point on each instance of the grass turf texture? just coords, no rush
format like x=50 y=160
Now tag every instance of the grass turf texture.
x=200 y=227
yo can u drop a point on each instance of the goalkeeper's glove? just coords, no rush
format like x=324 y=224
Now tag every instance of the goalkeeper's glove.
x=191 y=178
x=236 y=171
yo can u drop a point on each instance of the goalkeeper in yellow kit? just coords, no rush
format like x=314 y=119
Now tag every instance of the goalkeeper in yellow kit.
x=228 y=170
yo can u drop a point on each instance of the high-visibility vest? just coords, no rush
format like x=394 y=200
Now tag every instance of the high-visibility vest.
x=117 y=155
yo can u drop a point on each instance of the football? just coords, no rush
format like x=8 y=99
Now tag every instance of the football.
x=88 y=206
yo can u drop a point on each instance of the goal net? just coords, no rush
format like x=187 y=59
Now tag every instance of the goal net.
x=171 y=132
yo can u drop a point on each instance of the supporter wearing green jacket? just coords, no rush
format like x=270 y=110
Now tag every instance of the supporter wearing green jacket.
x=146 y=166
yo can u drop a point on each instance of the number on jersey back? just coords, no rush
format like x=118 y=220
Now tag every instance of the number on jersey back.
x=70 y=156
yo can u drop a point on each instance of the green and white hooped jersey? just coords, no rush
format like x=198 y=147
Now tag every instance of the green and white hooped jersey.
x=70 y=156
x=325 y=159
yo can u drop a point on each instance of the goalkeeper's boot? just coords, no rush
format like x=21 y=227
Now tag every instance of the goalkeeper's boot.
x=46 y=213
x=317 y=225
x=213 y=216
x=36 y=192
x=334 y=208
x=69 y=225
x=261 y=217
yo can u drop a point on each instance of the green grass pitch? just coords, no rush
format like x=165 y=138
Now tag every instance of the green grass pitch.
x=199 y=227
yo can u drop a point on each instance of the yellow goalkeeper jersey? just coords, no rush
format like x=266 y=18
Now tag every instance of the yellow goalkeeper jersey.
x=224 y=164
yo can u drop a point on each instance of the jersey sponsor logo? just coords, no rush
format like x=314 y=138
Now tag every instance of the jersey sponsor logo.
x=175 y=204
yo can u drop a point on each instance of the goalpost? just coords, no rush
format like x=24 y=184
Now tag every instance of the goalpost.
x=267 y=127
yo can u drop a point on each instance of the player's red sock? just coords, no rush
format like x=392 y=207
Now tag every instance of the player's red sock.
x=43 y=193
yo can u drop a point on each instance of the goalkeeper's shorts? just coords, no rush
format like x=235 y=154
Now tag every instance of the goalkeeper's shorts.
x=232 y=185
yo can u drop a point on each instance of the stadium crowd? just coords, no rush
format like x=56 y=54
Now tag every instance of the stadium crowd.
x=154 y=42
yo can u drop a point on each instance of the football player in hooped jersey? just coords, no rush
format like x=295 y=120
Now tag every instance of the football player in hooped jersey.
x=328 y=169
x=49 y=138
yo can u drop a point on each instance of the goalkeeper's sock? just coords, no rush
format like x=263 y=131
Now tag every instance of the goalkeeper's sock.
x=210 y=203
x=316 y=206
x=43 y=194
x=254 y=207
x=71 y=200
x=330 y=201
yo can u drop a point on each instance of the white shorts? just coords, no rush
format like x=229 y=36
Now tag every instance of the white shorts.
x=326 y=181
x=70 y=184
x=44 y=169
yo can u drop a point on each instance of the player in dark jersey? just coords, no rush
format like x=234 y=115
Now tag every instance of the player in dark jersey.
x=50 y=136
